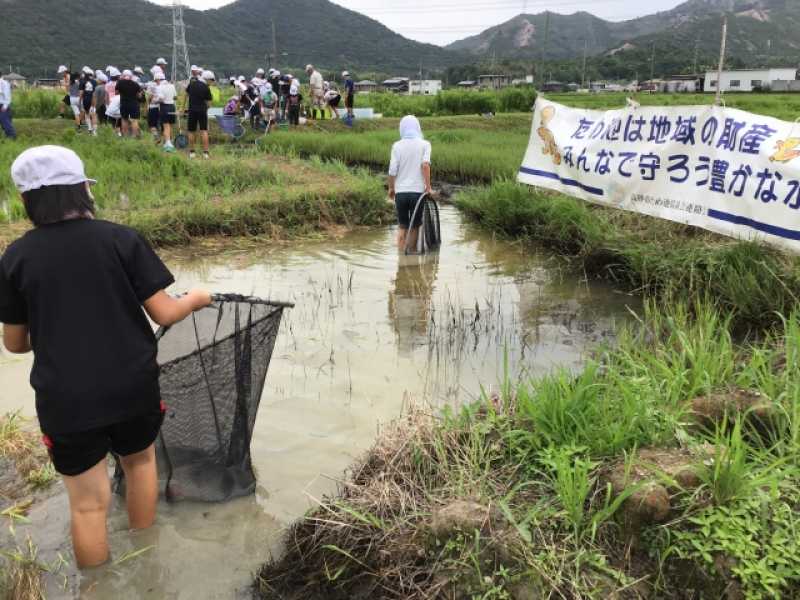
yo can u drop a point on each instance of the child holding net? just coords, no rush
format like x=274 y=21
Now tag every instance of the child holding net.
x=73 y=290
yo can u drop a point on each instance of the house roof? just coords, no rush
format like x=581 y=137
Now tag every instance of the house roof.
x=465 y=83
x=14 y=77
x=366 y=82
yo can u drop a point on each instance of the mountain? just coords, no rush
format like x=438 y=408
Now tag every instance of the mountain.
x=38 y=35
x=760 y=32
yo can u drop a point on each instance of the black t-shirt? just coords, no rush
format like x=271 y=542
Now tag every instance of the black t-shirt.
x=128 y=90
x=199 y=93
x=79 y=287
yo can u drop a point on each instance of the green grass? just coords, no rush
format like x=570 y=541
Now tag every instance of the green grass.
x=780 y=106
x=450 y=102
x=658 y=258
x=171 y=199
x=464 y=150
x=541 y=455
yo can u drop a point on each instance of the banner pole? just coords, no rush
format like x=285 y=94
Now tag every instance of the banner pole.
x=718 y=99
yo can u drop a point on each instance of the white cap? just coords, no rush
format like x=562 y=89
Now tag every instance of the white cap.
x=109 y=68
x=62 y=69
x=294 y=90
x=208 y=75
x=44 y=166
x=345 y=73
x=241 y=78
x=102 y=78
x=87 y=70
x=260 y=72
x=232 y=77
x=113 y=72
x=127 y=73
x=309 y=67
x=276 y=73
x=159 y=75
x=138 y=69
x=161 y=61
x=195 y=69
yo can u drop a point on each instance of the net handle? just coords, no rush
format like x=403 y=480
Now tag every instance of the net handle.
x=250 y=300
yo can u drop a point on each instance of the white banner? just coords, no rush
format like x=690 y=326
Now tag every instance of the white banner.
x=722 y=169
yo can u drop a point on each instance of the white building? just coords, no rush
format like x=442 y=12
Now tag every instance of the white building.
x=426 y=87
x=747 y=81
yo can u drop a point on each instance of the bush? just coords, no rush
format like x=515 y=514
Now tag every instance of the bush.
x=36 y=103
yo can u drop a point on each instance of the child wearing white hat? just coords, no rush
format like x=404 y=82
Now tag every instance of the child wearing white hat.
x=73 y=277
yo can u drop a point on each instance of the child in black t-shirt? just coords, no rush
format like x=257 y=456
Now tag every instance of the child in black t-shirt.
x=294 y=103
x=72 y=290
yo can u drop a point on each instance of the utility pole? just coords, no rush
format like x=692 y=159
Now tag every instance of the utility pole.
x=180 y=52
x=543 y=55
x=653 y=65
x=585 y=52
x=274 y=43
x=696 y=55
x=718 y=99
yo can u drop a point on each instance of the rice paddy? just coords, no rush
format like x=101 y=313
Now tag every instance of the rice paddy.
x=666 y=468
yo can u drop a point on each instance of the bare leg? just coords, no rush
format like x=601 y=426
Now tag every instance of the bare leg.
x=401 y=239
x=141 y=482
x=204 y=137
x=125 y=125
x=191 y=141
x=167 y=133
x=89 y=499
x=135 y=126
x=413 y=236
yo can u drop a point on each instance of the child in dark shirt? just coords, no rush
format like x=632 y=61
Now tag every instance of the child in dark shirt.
x=72 y=290
x=294 y=103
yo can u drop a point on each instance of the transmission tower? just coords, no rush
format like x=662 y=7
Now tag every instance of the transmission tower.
x=180 y=52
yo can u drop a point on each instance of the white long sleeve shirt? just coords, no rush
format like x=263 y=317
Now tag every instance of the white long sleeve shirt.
x=5 y=93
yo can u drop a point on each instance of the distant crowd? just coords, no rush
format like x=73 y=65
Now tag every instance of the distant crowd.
x=119 y=98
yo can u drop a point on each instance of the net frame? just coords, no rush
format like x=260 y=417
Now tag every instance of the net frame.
x=229 y=454
x=429 y=238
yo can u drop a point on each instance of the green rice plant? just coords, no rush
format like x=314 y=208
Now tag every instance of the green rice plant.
x=34 y=103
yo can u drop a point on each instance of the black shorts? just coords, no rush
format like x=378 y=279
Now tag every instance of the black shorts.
x=167 y=114
x=198 y=118
x=101 y=113
x=335 y=102
x=129 y=110
x=406 y=202
x=65 y=100
x=153 y=116
x=87 y=104
x=76 y=453
x=349 y=101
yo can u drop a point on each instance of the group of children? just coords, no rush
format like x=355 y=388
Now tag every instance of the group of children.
x=120 y=97
x=275 y=97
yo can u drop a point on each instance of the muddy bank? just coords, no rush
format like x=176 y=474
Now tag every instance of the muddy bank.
x=650 y=475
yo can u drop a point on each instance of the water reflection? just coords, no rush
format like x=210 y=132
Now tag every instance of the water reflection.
x=410 y=299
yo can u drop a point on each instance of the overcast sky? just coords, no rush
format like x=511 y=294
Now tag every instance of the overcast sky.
x=444 y=21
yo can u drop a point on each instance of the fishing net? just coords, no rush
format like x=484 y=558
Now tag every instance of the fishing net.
x=430 y=231
x=213 y=368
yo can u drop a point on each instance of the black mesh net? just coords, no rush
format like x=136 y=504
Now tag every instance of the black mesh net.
x=213 y=368
x=429 y=238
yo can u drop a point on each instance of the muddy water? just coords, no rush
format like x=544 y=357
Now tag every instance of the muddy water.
x=371 y=332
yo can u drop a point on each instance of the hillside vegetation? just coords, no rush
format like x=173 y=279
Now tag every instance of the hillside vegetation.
x=236 y=37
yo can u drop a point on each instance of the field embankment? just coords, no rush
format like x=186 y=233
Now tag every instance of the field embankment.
x=667 y=469
x=171 y=199
x=465 y=149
